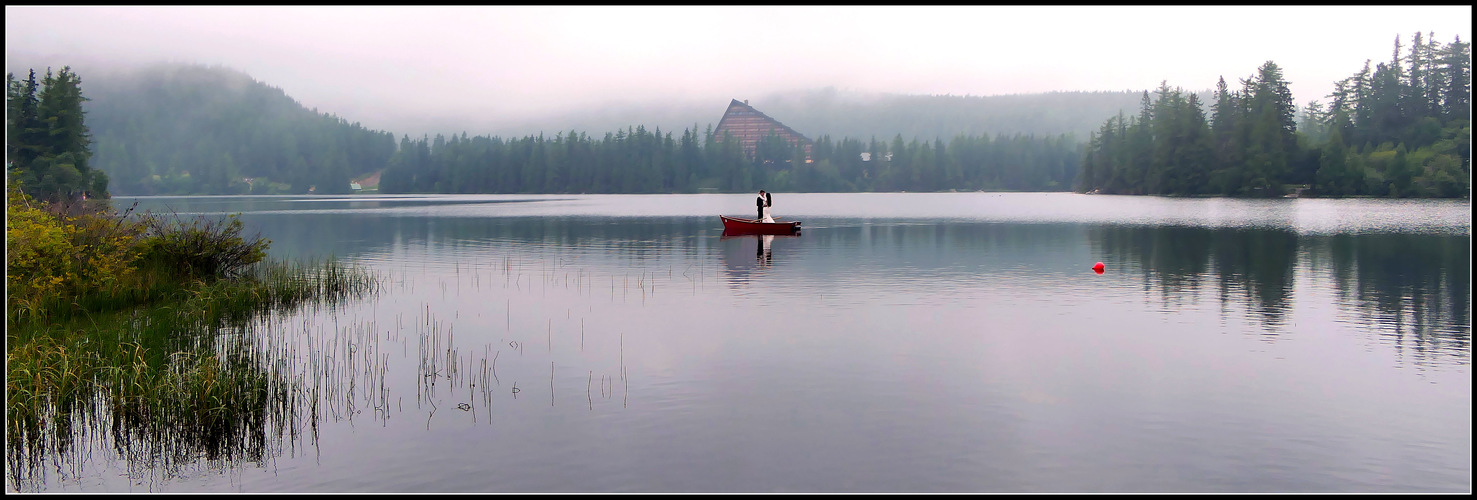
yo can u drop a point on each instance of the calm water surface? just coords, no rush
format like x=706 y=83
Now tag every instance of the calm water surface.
x=902 y=343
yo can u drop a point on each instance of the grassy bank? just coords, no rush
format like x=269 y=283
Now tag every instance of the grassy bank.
x=141 y=328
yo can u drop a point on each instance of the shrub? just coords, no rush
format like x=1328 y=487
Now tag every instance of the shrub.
x=37 y=247
x=55 y=257
x=62 y=258
x=199 y=249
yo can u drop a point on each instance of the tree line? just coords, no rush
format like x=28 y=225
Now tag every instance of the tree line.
x=1398 y=129
x=1401 y=130
x=47 y=142
x=637 y=160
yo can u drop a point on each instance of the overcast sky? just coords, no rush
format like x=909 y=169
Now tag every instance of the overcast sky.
x=375 y=63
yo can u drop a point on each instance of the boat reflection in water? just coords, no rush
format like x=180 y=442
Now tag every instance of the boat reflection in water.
x=737 y=265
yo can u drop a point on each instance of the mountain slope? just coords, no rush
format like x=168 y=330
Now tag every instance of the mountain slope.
x=190 y=129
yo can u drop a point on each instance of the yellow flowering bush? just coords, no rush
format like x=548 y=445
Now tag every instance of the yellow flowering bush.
x=37 y=254
x=53 y=259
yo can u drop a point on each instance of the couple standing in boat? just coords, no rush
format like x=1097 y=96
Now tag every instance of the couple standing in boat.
x=763 y=203
x=763 y=252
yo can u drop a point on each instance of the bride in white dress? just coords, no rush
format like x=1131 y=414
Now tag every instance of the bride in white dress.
x=768 y=202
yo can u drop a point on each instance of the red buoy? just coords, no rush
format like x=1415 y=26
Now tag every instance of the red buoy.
x=1098 y=268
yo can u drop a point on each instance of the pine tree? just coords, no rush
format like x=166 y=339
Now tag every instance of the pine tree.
x=1314 y=121
x=25 y=131
x=1197 y=153
x=49 y=142
x=1332 y=176
x=1226 y=125
x=1456 y=71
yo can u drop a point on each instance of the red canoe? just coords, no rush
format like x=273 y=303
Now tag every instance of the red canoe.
x=735 y=225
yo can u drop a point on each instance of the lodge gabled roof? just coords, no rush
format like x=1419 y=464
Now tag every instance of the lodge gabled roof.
x=761 y=114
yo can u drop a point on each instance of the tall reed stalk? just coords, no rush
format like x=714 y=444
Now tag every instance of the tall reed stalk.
x=170 y=381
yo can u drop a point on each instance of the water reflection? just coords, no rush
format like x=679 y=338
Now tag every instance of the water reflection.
x=945 y=335
x=1413 y=286
x=1412 y=289
x=343 y=235
x=1417 y=286
x=740 y=269
x=1255 y=264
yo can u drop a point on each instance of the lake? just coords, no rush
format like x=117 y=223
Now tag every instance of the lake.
x=942 y=342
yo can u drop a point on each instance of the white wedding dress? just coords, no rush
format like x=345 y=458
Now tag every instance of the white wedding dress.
x=766 y=218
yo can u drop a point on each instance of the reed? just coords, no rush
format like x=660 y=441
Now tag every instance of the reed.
x=175 y=379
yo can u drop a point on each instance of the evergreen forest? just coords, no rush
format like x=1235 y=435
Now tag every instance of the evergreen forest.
x=46 y=141
x=1402 y=129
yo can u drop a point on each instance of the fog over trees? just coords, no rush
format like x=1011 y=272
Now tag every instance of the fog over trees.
x=186 y=129
x=194 y=129
x=1398 y=128
x=840 y=113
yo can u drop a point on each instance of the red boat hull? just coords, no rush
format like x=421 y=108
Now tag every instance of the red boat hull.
x=735 y=225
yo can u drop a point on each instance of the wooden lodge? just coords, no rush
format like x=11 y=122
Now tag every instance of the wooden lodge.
x=749 y=125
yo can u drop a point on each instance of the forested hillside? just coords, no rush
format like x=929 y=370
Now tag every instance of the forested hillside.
x=189 y=129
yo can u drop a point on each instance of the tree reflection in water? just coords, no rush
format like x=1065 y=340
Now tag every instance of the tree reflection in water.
x=1413 y=288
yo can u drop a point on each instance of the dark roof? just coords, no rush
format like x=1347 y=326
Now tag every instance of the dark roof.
x=737 y=102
